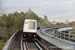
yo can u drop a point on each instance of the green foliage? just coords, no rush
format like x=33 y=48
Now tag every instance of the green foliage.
x=72 y=32
x=2 y=43
x=59 y=24
x=45 y=17
x=73 y=28
x=3 y=20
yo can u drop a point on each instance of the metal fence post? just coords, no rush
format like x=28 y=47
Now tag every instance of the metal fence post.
x=64 y=35
x=69 y=36
x=54 y=33
x=60 y=34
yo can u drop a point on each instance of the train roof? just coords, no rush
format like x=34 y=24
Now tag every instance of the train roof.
x=65 y=29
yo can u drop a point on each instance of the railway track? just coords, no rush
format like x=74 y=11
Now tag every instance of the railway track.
x=17 y=43
x=35 y=45
x=32 y=46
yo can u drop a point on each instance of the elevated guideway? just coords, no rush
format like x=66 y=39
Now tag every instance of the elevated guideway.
x=60 y=43
x=14 y=43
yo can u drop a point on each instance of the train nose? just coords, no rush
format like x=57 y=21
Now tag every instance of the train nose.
x=30 y=35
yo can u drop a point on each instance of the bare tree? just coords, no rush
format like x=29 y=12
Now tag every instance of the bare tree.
x=67 y=21
x=1 y=8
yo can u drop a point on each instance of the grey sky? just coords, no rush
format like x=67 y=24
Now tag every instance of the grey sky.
x=58 y=10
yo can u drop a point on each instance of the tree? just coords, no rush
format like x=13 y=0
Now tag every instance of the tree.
x=58 y=23
x=53 y=22
x=45 y=17
x=67 y=21
x=9 y=18
x=3 y=19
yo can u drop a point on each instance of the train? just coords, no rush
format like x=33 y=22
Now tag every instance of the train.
x=30 y=30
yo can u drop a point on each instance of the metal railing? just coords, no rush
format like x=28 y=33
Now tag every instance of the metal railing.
x=10 y=42
x=64 y=35
x=59 y=35
x=56 y=34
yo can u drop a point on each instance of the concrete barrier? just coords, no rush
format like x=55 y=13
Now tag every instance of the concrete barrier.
x=10 y=42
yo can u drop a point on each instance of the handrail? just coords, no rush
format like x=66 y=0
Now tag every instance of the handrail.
x=10 y=42
x=43 y=31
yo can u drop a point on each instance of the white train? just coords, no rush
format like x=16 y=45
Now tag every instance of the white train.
x=29 y=29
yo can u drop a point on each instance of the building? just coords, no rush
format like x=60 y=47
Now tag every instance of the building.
x=72 y=23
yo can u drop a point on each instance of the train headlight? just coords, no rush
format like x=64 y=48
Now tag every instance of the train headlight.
x=34 y=35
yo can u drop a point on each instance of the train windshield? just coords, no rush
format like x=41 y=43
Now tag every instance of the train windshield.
x=31 y=24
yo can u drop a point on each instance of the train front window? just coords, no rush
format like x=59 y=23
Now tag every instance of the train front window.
x=31 y=24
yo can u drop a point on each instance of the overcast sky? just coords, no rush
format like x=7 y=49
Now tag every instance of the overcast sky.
x=58 y=10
